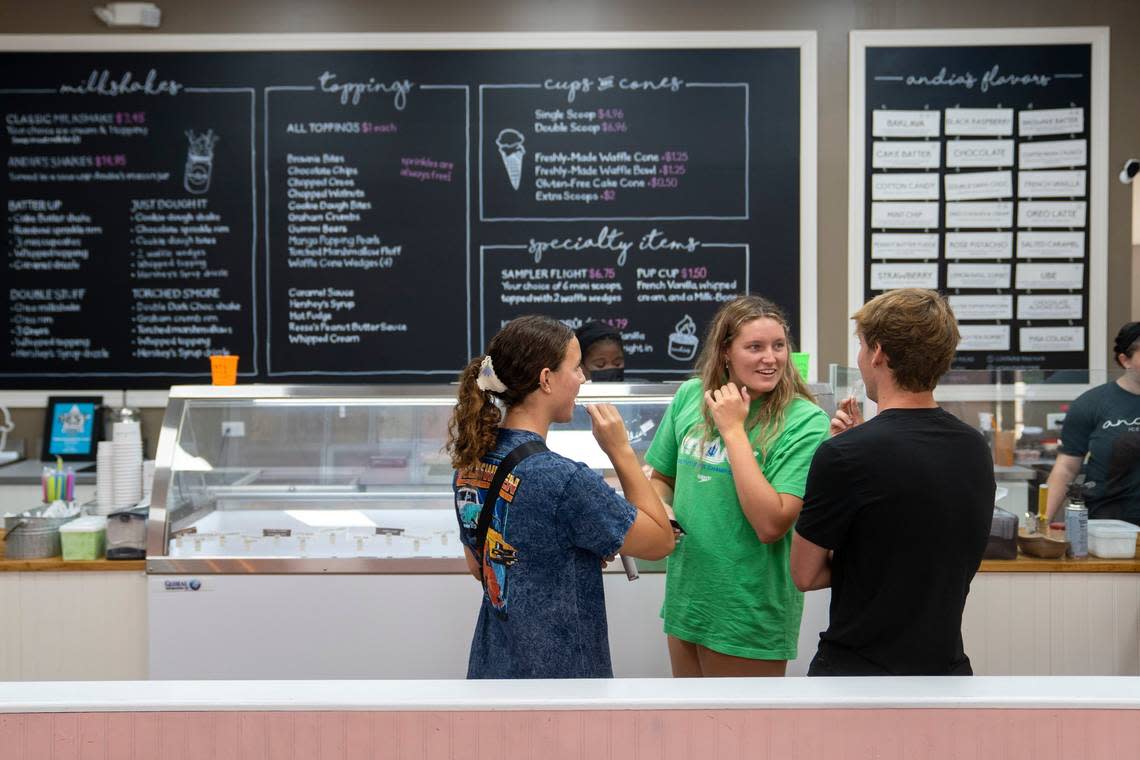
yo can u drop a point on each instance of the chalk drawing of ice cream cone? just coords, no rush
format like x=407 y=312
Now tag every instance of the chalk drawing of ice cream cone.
x=199 y=161
x=510 y=142
x=683 y=340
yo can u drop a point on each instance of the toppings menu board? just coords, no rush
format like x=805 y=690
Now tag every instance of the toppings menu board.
x=975 y=174
x=350 y=215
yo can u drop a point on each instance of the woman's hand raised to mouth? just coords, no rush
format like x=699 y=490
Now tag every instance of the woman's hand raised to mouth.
x=847 y=416
x=728 y=406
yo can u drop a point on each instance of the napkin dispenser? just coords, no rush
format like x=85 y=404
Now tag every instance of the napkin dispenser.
x=126 y=534
x=1002 y=543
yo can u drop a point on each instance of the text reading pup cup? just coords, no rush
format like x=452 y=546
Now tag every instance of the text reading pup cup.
x=223 y=369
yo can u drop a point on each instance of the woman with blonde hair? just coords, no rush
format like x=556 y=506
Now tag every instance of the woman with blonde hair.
x=537 y=526
x=732 y=453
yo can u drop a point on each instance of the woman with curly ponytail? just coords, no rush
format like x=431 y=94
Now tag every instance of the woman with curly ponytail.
x=553 y=520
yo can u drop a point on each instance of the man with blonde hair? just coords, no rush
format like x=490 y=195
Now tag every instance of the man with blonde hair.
x=897 y=509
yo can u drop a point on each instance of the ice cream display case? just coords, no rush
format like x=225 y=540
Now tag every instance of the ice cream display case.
x=294 y=529
x=330 y=479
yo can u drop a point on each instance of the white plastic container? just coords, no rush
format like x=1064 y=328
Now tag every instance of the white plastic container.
x=1112 y=539
x=83 y=538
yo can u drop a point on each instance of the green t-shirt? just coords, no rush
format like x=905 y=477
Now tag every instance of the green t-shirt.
x=723 y=588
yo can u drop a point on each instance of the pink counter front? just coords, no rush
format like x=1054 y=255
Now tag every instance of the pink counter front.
x=780 y=719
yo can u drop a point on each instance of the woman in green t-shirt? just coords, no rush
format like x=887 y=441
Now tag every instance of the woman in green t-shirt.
x=733 y=453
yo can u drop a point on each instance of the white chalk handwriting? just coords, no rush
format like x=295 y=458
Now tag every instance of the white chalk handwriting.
x=574 y=87
x=102 y=83
x=350 y=93
x=612 y=239
x=991 y=78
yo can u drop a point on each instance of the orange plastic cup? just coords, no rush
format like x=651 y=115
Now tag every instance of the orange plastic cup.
x=223 y=369
x=1003 y=447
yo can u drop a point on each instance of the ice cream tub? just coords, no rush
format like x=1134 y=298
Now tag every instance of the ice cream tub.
x=1112 y=539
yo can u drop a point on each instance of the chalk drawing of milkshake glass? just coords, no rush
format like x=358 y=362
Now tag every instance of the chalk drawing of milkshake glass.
x=199 y=161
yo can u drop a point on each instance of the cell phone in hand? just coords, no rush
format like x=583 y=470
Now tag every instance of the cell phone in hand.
x=677 y=526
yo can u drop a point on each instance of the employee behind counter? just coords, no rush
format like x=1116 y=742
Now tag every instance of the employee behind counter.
x=1103 y=424
x=603 y=356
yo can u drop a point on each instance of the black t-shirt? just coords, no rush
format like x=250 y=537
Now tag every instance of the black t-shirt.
x=905 y=502
x=1105 y=422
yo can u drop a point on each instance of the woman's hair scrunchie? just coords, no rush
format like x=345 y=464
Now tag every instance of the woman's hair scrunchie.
x=488 y=380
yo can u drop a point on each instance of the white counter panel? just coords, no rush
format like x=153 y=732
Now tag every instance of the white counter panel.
x=72 y=626
x=358 y=626
x=1053 y=624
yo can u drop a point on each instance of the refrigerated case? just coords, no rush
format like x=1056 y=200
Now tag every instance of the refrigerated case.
x=310 y=532
x=306 y=479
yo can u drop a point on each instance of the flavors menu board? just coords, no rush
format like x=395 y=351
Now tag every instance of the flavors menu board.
x=378 y=215
x=976 y=178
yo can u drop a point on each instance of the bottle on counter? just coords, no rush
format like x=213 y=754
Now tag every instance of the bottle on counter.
x=1042 y=508
x=1077 y=525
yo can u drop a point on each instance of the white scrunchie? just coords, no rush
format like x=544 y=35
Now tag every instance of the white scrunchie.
x=488 y=380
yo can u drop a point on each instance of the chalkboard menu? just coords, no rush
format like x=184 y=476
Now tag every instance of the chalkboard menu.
x=978 y=178
x=376 y=215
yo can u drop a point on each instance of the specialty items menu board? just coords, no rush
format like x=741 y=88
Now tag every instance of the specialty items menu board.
x=977 y=177
x=377 y=215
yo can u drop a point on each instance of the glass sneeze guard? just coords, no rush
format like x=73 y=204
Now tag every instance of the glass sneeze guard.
x=331 y=479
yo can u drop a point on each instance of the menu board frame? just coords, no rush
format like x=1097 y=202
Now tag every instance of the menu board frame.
x=805 y=42
x=1097 y=38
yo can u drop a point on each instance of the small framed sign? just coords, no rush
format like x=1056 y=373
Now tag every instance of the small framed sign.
x=72 y=427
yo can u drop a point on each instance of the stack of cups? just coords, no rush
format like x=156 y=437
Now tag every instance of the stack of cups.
x=104 y=474
x=147 y=479
x=127 y=467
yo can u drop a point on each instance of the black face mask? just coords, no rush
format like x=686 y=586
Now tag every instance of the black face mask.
x=611 y=375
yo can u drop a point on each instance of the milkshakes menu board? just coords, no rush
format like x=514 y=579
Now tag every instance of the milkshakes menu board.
x=975 y=173
x=377 y=215
x=129 y=212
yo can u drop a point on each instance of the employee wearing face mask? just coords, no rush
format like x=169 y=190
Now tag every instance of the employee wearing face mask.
x=603 y=359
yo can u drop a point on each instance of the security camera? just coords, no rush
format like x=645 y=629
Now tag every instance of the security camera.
x=1130 y=170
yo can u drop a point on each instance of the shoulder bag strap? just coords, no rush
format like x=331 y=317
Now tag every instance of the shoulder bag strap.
x=510 y=461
